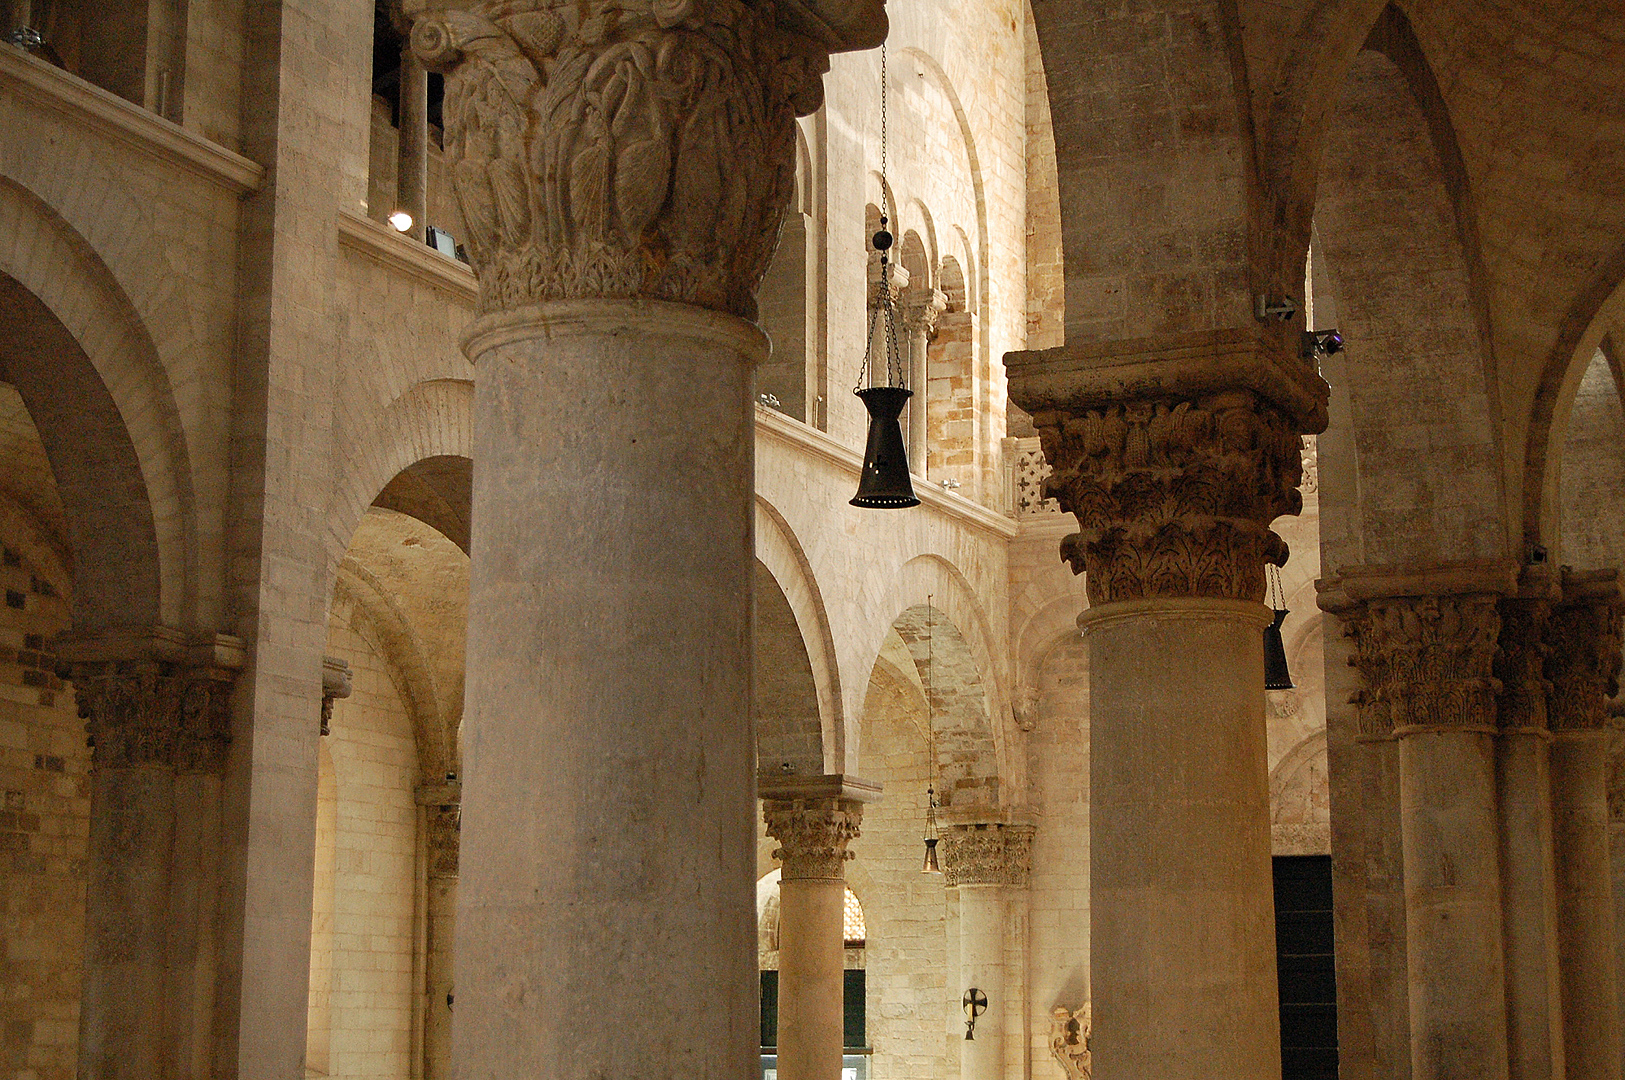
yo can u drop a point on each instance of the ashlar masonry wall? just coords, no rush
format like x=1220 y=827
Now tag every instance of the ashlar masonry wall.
x=375 y=865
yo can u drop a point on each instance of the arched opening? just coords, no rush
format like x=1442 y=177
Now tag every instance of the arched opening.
x=855 y=1038
x=78 y=552
x=398 y=619
x=789 y=731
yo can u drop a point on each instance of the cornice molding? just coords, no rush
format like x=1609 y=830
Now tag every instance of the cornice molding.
x=136 y=127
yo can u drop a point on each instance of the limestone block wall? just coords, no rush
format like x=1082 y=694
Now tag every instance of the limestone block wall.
x=45 y=817
x=908 y=957
x=375 y=862
x=1058 y=782
x=1592 y=472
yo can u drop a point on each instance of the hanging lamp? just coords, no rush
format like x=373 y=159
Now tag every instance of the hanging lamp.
x=884 y=483
x=1276 y=676
x=931 y=865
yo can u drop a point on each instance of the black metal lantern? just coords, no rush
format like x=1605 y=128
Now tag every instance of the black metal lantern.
x=1276 y=676
x=884 y=483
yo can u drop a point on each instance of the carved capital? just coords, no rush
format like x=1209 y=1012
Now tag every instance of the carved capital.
x=1069 y=1035
x=1174 y=497
x=1584 y=663
x=987 y=854
x=445 y=825
x=628 y=148
x=812 y=834
x=919 y=310
x=148 y=712
x=1521 y=654
x=335 y=685
x=1425 y=662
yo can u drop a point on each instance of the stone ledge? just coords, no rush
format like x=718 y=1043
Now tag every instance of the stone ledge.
x=130 y=124
x=1351 y=586
x=391 y=249
x=775 y=425
x=783 y=787
x=1089 y=376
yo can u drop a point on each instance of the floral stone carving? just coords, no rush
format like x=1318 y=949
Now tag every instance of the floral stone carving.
x=1069 y=1034
x=1174 y=496
x=1585 y=657
x=155 y=713
x=812 y=834
x=629 y=148
x=987 y=854
x=1426 y=662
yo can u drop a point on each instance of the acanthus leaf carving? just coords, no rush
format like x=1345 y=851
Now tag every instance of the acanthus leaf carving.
x=1174 y=497
x=1425 y=662
x=155 y=713
x=1069 y=1041
x=1585 y=656
x=987 y=854
x=618 y=148
x=813 y=835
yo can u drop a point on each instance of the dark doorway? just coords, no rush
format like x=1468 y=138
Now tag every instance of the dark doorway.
x=1304 y=968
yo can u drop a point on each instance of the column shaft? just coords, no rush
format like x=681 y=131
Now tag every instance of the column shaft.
x=1529 y=898
x=1453 y=905
x=412 y=158
x=608 y=861
x=122 y=1016
x=1585 y=904
x=919 y=406
x=812 y=966
x=981 y=964
x=1182 y=935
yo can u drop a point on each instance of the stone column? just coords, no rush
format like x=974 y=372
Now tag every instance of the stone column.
x=919 y=310
x=812 y=818
x=1174 y=471
x=1425 y=645
x=442 y=816
x=412 y=156
x=156 y=708
x=622 y=181
x=1584 y=668
x=984 y=861
x=1523 y=791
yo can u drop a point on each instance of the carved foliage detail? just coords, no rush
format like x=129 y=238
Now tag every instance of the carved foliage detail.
x=1069 y=1036
x=1584 y=662
x=813 y=834
x=145 y=713
x=1174 y=497
x=445 y=833
x=987 y=854
x=1425 y=661
x=1520 y=662
x=621 y=148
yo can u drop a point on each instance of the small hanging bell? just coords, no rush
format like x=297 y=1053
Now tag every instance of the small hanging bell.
x=1276 y=676
x=884 y=484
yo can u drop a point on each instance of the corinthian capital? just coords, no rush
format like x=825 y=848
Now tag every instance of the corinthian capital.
x=812 y=835
x=987 y=854
x=152 y=698
x=920 y=309
x=1585 y=657
x=1175 y=456
x=1426 y=643
x=628 y=148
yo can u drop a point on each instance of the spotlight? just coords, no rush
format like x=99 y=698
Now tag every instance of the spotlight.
x=400 y=221
x=1319 y=343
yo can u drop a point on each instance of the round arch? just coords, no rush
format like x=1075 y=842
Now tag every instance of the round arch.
x=91 y=376
x=781 y=554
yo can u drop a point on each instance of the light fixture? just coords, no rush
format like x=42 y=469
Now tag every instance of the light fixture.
x=931 y=865
x=1265 y=309
x=400 y=221
x=975 y=1004
x=884 y=482
x=1316 y=343
x=1276 y=675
